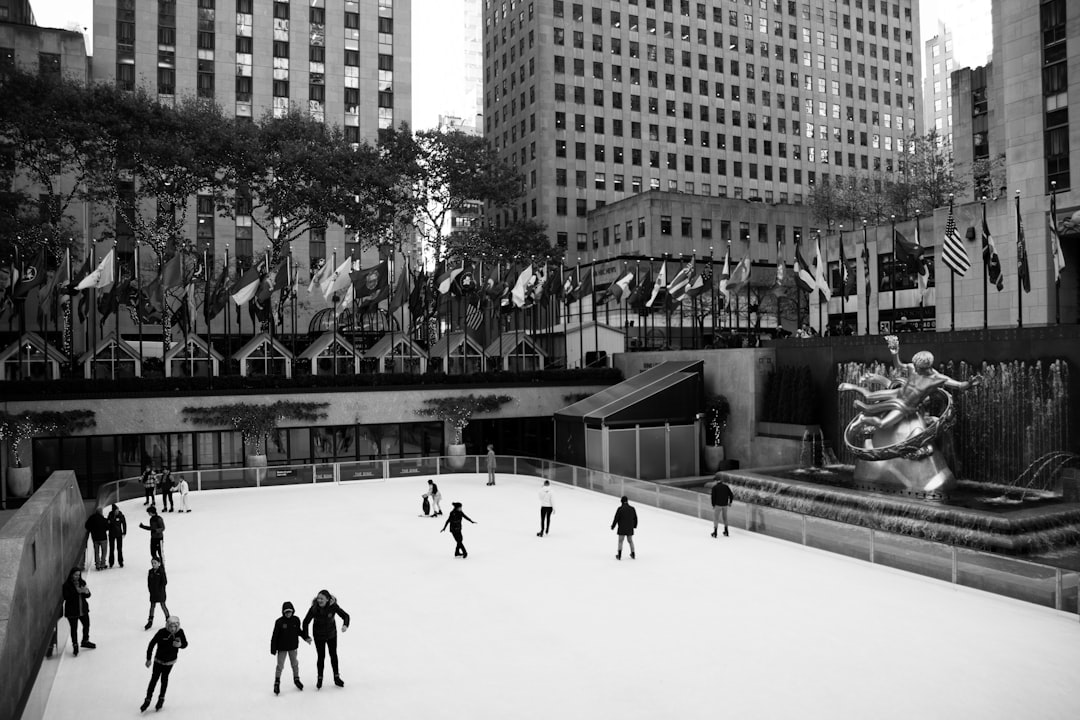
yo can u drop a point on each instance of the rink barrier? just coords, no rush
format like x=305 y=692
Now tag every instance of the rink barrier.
x=1017 y=578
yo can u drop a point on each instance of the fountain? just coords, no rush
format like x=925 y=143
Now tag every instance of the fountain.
x=914 y=458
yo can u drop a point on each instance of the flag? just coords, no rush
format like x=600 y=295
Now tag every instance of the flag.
x=33 y=275
x=1022 y=259
x=677 y=287
x=191 y=309
x=623 y=286
x=464 y=282
x=172 y=275
x=569 y=288
x=474 y=314
x=446 y=278
x=317 y=274
x=660 y=285
x=701 y=282
x=922 y=268
x=1055 y=241
x=584 y=286
x=371 y=285
x=844 y=275
x=526 y=278
x=418 y=302
x=102 y=276
x=337 y=280
x=400 y=295
x=953 y=252
x=495 y=286
x=725 y=277
x=990 y=258
x=58 y=282
x=780 y=268
x=739 y=276
x=540 y=286
x=277 y=280
x=641 y=292
x=245 y=287
x=911 y=253
x=218 y=296
x=866 y=264
x=822 y=283
x=803 y=277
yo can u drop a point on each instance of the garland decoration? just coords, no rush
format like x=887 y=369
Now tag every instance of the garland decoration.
x=25 y=425
x=254 y=422
x=459 y=410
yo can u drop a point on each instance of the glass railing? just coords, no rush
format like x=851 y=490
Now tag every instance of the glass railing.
x=1009 y=576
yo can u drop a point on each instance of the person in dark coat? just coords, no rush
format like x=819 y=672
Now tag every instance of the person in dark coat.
x=722 y=497
x=117 y=531
x=157 y=533
x=453 y=520
x=284 y=641
x=165 y=646
x=156 y=580
x=77 y=609
x=324 y=631
x=626 y=521
x=98 y=527
x=165 y=487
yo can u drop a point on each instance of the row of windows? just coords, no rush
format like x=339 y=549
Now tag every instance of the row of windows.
x=1055 y=83
x=578 y=12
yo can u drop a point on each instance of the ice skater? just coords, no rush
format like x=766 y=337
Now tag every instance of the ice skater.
x=157 y=533
x=98 y=527
x=165 y=487
x=435 y=497
x=722 y=497
x=156 y=580
x=149 y=484
x=284 y=641
x=454 y=521
x=324 y=632
x=167 y=642
x=77 y=609
x=117 y=531
x=183 y=488
x=547 y=506
x=626 y=520
x=491 y=464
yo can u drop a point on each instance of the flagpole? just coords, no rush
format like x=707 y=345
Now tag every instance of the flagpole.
x=892 y=273
x=208 y=272
x=985 y=274
x=269 y=300
x=68 y=336
x=228 y=310
x=1053 y=251
x=1019 y=285
x=824 y=255
x=116 y=312
x=90 y=328
x=866 y=269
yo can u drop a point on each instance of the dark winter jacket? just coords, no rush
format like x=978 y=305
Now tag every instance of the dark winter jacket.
x=163 y=641
x=324 y=626
x=98 y=527
x=75 y=604
x=165 y=483
x=156 y=580
x=722 y=495
x=117 y=523
x=454 y=519
x=625 y=519
x=287 y=631
x=156 y=527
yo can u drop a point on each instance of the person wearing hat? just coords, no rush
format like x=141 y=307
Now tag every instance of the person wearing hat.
x=324 y=631
x=284 y=641
x=117 y=531
x=626 y=521
x=453 y=520
x=164 y=647
x=157 y=533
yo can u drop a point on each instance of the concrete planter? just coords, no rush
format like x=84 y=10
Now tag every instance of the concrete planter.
x=455 y=456
x=255 y=471
x=714 y=457
x=20 y=481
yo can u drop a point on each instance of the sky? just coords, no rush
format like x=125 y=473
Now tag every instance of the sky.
x=438 y=91
x=532 y=628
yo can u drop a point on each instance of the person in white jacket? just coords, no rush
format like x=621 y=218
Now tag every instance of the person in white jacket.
x=547 y=506
x=184 y=490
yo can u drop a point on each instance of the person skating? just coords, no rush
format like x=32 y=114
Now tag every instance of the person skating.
x=157 y=533
x=156 y=580
x=722 y=497
x=547 y=506
x=165 y=487
x=324 y=632
x=491 y=464
x=183 y=489
x=77 y=609
x=149 y=483
x=453 y=520
x=626 y=520
x=164 y=646
x=435 y=496
x=284 y=641
x=117 y=531
x=98 y=527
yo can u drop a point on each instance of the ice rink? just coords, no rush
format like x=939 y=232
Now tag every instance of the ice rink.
x=553 y=627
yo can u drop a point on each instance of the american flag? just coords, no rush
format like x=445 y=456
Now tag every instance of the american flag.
x=474 y=316
x=953 y=252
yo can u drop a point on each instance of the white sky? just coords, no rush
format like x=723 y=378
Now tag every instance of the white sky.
x=542 y=628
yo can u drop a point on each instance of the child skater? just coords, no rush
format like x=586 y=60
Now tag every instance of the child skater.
x=323 y=609
x=167 y=642
x=454 y=521
x=156 y=580
x=284 y=641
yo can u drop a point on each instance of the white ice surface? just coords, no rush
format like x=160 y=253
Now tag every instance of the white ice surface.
x=553 y=627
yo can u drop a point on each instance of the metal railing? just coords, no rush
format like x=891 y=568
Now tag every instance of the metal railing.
x=1003 y=575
